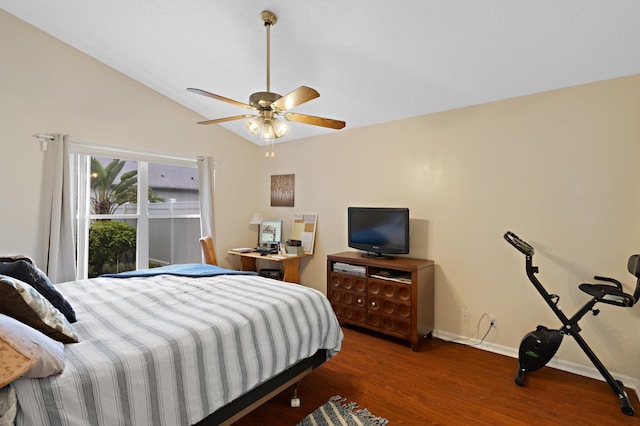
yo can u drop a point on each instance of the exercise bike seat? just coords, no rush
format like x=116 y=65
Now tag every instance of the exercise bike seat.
x=614 y=294
x=608 y=294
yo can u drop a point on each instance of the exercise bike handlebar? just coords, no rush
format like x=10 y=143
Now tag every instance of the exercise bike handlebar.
x=609 y=280
x=519 y=244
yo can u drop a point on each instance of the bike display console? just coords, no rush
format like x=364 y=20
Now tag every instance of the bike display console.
x=391 y=296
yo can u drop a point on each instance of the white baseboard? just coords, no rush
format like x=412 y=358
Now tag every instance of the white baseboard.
x=571 y=367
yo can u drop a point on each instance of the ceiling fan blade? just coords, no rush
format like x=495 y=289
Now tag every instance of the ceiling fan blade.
x=222 y=120
x=315 y=121
x=220 y=98
x=292 y=99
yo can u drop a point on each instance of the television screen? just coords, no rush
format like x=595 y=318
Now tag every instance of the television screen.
x=271 y=232
x=378 y=231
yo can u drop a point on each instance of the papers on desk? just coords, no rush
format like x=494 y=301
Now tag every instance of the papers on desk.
x=282 y=256
x=243 y=249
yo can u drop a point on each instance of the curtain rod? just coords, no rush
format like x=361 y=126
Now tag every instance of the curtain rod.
x=109 y=148
x=46 y=136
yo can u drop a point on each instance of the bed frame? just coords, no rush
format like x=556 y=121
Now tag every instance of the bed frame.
x=259 y=395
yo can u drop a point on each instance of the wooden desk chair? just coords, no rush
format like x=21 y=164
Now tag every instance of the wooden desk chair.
x=208 y=250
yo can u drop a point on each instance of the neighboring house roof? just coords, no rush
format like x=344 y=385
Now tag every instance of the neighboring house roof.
x=164 y=176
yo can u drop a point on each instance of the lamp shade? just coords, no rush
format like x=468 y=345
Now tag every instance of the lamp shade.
x=256 y=219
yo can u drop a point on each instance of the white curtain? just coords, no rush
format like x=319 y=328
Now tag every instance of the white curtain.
x=58 y=238
x=206 y=175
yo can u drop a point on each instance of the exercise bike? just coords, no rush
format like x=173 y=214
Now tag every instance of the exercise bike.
x=539 y=346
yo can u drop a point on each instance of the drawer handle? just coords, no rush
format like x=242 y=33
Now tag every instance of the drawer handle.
x=373 y=304
x=359 y=301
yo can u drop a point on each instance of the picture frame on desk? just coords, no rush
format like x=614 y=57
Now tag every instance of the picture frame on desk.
x=304 y=229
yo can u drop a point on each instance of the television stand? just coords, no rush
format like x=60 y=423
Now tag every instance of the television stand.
x=390 y=296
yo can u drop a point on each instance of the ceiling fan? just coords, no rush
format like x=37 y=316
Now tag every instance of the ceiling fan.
x=269 y=105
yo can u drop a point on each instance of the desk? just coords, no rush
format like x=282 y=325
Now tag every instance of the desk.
x=290 y=264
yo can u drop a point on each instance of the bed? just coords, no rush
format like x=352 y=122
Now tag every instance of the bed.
x=179 y=348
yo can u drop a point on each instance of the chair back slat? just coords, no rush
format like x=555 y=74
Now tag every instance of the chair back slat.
x=208 y=250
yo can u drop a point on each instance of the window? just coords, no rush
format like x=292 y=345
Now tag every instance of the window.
x=136 y=213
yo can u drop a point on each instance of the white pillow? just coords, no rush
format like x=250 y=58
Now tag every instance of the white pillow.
x=52 y=359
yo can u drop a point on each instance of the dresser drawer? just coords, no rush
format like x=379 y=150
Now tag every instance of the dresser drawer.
x=348 y=305
x=390 y=324
x=383 y=306
x=346 y=297
x=348 y=282
x=348 y=313
x=390 y=290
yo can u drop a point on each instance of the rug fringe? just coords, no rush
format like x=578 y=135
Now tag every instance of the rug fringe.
x=362 y=412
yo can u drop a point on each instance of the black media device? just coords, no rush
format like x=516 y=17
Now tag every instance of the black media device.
x=378 y=231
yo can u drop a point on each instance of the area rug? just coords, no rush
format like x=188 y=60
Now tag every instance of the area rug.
x=338 y=412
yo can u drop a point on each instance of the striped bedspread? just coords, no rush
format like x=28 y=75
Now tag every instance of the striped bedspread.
x=170 y=350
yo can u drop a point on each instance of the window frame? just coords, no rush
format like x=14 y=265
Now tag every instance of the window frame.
x=83 y=154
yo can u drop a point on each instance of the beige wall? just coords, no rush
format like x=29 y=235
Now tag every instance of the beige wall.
x=47 y=86
x=557 y=168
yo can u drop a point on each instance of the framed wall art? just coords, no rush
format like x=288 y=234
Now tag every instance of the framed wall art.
x=283 y=190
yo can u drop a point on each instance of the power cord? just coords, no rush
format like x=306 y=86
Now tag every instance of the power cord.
x=492 y=324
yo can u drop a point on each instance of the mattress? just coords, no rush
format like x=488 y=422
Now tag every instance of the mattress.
x=169 y=350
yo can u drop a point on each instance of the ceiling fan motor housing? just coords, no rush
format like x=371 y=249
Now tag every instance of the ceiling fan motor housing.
x=263 y=100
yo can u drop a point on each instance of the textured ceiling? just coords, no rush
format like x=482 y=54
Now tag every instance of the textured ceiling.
x=372 y=61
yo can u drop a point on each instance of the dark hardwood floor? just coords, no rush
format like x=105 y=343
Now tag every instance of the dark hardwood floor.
x=448 y=384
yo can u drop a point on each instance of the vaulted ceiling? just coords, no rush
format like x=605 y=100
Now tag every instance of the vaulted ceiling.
x=372 y=61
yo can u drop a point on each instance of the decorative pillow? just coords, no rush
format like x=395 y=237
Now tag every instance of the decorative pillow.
x=17 y=356
x=22 y=302
x=29 y=273
x=24 y=338
x=15 y=257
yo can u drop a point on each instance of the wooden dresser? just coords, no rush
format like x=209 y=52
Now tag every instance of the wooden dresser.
x=391 y=296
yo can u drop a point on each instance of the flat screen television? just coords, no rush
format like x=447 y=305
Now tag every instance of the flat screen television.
x=378 y=231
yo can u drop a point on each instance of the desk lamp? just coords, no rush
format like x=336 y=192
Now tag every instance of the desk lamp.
x=256 y=219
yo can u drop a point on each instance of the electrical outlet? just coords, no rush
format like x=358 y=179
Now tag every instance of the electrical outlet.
x=464 y=315
x=493 y=320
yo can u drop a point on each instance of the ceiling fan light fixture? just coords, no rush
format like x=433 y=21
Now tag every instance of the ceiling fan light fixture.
x=268 y=130
x=254 y=125
x=280 y=128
